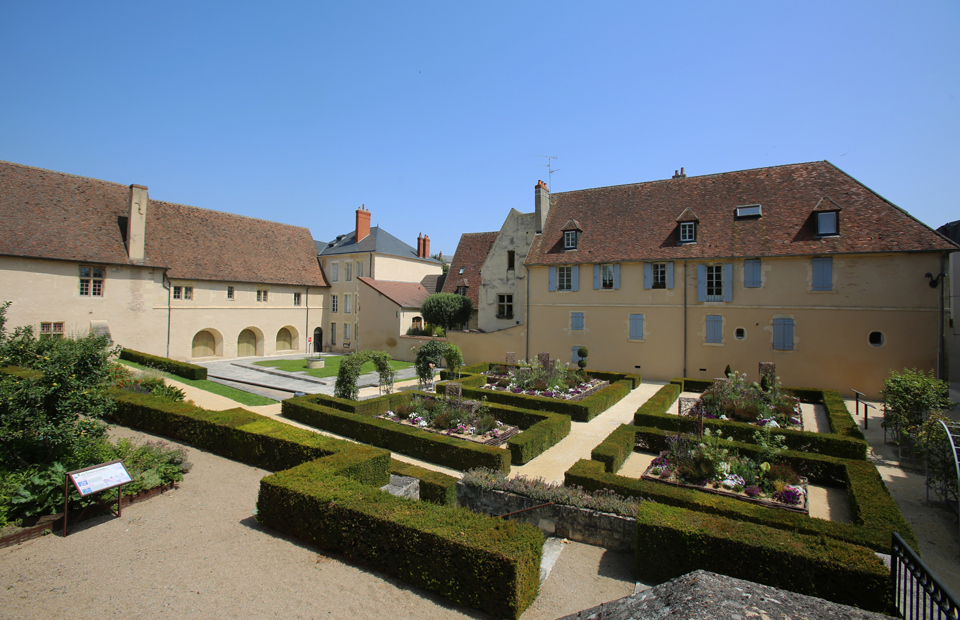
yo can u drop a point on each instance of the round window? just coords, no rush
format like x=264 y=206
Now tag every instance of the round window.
x=740 y=333
x=876 y=338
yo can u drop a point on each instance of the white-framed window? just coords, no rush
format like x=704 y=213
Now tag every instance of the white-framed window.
x=636 y=327
x=51 y=330
x=296 y=299
x=606 y=276
x=822 y=273
x=569 y=240
x=461 y=271
x=749 y=211
x=462 y=290
x=262 y=295
x=230 y=293
x=564 y=278
x=714 y=329
x=346 y=331
x=714 y=282
x=828 y=223
x=688 y=232
x=347 y=272
x=576 y=320
x=347 y=304
x=504 y=306
x=333 y=303
x=188 y=292
x=334 y=275
x=751 y=273
x=178 y=292
x=333 y=333
x=359 y=270
x=783 y=334
x=91 y=280
x=659 y=273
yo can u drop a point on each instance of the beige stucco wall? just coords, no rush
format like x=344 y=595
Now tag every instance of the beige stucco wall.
x=490 y=347
x=885 y=293
x=49 y=291
x=400 y=269
x=515 y=235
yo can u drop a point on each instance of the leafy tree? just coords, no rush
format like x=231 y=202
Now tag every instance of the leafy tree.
x=454 y=357
x=430 y=353
x=909 y=397
x=446 y=310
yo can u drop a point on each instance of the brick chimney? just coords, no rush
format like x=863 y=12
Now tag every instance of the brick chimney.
x=679 y=175
x=137 y=222
x=426 y=246
x=363 y=223
x=420 y=246
x=542 y=202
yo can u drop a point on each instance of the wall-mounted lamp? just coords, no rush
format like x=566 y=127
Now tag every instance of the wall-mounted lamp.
x=935 y=282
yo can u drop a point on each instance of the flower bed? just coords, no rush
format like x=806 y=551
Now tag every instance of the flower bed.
x=549 y=382
x=709 y=467
x=738 y=400
x=469 y=420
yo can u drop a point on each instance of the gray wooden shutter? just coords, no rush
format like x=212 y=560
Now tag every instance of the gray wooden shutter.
x=576 y=320
x=575 y=277
x=616 y=276
x=728 y=282
x=823 y=273
x=751 y=273
x=670 y=275
x=576 y=356
x=553 y=279
x=783 y=334
x=714 y=328
x=636 y=327
x=648 y=275
x=701 y=282
x=596 y=277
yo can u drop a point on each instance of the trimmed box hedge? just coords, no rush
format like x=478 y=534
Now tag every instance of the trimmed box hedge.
x=483 y=367
x=875 y=513
x=435 y=487
x=673 y=541
x=181 y=369
x=327 y=493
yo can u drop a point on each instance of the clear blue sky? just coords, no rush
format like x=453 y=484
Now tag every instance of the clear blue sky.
x=432 y=114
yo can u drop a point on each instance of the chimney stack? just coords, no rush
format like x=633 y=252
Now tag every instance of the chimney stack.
x=679 y=175
x=542 y=203
x=426 y=246
x=137 y=222
x=420 y=245
x=363 y=223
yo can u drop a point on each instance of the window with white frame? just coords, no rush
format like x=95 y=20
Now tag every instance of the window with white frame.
x=359 y=270
x=462 y=290
x=333 y=303
x=564 y=278
x=606 y=276
x=296 y=299
x=659 y=273
x=230 y=293
x=347 y=304
x=822 y=273
x=91 y=280
x=51 y=330
x=346 y=331
x=504 y=306
x=334 y=273
x=688 y=232
x=262 y=295
x=714 y=282
x=348 y=272
x=783 y=334
x=178 y=292
x=569 y=240
x=828 y=223
x=714 y=325
x=188 y=292
x=576 y=320
x=636 y=327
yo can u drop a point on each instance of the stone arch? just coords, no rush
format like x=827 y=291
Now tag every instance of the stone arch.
x=288 y=339
x=207 y=343
x=250 y=342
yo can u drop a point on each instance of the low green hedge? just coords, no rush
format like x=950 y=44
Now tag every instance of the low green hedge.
x=692 y=385
x=484 y=563
x=181 y=369
x=435 y=487
x=579 y=410
x=615 y=449
x=673 y=541
x=327 y=493
x=483 y=367
x=874 y=512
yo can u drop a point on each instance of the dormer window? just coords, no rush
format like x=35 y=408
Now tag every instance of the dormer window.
x=688 y=232
x=748 y=211
x=569 y=240
x=828 y=223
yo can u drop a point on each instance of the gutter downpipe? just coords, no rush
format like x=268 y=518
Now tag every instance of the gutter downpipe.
x=942 y=366
x=526 y=312
x=165 y=283
x=306 y=325
x=684 y=318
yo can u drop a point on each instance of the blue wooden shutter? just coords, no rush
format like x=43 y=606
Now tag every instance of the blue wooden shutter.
x=596 y=277
x=783 y=334
x=553 y=279
x=636 y=327
x=714 y=328
x=670 y=275
x=823 y=273
x=701 y=282
x=575 y=277
x=576 y=356
x=751 y=273
x=576 y=320
x=616 y=276
x=648 y=275
x=728 y=282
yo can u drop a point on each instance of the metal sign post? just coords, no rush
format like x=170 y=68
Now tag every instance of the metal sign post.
x=92 y=480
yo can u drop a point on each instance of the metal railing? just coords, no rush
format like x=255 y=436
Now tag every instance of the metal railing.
x=917 y=593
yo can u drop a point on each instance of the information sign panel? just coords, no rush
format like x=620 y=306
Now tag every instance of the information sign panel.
x=99 y=477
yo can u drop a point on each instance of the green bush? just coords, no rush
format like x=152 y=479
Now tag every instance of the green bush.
x=181 y=369
x=435 y=487
x=909 y=397
x=673 y=541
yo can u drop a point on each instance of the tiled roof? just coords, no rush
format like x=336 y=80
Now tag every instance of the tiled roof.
x=45 y=214
x=378 y=240
x=471 y=252
x=433 y=282
x=639 y=222
x=404 y=294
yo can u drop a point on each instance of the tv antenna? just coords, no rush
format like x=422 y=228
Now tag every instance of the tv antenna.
x=550 y=170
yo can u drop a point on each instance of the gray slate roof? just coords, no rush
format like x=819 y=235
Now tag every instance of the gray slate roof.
x=378 y=240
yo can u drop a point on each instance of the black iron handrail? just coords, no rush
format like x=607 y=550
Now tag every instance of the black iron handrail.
x=917 y=593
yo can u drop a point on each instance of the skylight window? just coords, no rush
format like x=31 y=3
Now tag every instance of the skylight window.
x=749 y=211
x=827 y=223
